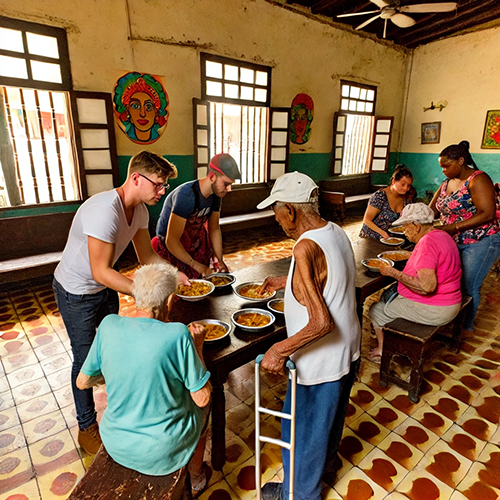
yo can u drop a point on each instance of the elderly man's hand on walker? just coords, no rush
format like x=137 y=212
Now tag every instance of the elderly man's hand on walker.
x=273 y=361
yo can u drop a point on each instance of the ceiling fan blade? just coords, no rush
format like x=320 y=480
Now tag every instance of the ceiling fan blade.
x=380 y=3
x=402 y=20
x=429 y=7
x=358 y=13
x=385 y=27
x=362 y=25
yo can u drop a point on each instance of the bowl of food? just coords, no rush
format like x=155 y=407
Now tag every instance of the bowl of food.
x=277 y=306
x=252 y=320
x=221 y=280
x=395 y=255
x=397 y=230
x=393 y=241
x=375 y=264
x=198 y=290
x=215 y=330
x=248 y=291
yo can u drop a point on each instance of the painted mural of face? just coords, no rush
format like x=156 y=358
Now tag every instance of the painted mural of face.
x=142 y=115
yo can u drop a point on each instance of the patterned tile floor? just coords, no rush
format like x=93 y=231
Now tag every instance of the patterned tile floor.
x=444 y=447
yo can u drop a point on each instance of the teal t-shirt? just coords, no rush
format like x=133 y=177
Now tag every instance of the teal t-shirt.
x=151 y=424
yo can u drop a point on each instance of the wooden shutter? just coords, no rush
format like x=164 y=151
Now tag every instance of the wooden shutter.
x=381 y=143
x=278 y=143
x=92 y=114
x=339 y=127
x=201 y=134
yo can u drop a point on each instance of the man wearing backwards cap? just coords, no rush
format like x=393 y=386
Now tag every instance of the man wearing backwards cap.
x=429 y=286
x=323 y=335
x=188 y=232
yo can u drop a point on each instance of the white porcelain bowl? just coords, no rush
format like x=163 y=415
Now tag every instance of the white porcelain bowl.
x=376 y=269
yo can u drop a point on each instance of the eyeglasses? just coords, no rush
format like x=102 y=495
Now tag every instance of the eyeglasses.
x=159 y=186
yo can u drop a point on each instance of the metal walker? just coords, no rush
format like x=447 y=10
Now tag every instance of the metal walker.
x=266 y=439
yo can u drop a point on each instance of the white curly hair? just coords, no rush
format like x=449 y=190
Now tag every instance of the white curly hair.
x=153 y=284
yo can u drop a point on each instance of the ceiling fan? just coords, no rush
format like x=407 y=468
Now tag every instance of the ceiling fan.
x=397 y=13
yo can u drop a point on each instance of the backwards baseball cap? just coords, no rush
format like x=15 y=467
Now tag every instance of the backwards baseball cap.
x=416 y=212
x=225 y=164
x=290 y=188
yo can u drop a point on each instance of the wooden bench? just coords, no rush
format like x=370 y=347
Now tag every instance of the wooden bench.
x=406 y=338
x=339 y=193
x=108 y=480
x=32 y=246
x=239 y=208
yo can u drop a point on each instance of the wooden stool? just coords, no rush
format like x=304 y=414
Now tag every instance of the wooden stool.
x=412 y=340
x=108 y=480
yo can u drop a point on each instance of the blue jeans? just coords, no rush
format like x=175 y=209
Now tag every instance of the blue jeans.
x=82 y=314
x=477 y=260
x=320 y=412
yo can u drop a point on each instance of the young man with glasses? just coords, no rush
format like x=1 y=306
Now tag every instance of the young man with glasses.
x=188 y=233
x=85 y=282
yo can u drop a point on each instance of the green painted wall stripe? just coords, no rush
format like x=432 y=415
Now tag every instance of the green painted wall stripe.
x=427 y=176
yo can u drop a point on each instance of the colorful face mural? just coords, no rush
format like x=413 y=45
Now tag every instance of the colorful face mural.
x=302 y=116
x=141 y=107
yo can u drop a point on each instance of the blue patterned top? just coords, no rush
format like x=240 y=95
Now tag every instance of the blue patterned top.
x=384 y=219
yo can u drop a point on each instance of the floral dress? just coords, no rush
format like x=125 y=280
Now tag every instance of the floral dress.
x=384 y=219
x=458 y=206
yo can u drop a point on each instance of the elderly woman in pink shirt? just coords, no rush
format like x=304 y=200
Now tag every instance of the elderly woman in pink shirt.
x=428 y=291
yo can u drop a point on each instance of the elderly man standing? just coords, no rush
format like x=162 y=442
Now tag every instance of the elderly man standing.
x=323 y=334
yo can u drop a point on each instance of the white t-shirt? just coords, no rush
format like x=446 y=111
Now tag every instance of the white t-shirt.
x=103 y=217
x=329 y=358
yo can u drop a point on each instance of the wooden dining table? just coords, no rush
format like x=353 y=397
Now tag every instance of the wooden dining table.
x=240 y=346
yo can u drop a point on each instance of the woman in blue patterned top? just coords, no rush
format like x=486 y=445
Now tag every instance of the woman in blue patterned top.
x=385 y=205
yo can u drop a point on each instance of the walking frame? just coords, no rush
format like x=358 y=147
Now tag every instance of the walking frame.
x=266 y=439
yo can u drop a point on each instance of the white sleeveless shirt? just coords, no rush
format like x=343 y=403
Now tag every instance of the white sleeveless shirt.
x=329 y=358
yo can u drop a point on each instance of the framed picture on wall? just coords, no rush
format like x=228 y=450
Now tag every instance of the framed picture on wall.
x=491 y=135
x=431 y=133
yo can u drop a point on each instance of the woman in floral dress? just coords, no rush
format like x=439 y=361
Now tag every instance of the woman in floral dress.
x=466 y=204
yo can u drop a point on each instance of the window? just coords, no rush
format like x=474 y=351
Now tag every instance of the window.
x=361 y=141
x=43 y=157
x=234 y=116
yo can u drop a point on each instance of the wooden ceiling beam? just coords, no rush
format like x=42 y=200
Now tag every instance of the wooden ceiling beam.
x=475 y=14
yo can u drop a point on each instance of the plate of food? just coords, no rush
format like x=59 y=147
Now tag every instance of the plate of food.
x=277 y=306
x=395 y=255
x=392 y=241
x=221 y=280
x=198 y=290
x=375 y=264
x=214 y=329
x=252 y=320
x=397 y=230
x=248 y=291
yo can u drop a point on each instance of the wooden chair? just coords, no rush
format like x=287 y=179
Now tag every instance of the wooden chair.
x=332 y=203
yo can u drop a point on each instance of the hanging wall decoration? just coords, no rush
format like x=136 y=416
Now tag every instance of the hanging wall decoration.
x=141 y=107
x=491 y=136
x=302 y=116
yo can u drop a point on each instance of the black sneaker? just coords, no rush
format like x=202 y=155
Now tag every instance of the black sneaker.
x=272 y=491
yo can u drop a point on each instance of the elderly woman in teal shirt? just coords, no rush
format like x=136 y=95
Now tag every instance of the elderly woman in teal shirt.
x=157 y=384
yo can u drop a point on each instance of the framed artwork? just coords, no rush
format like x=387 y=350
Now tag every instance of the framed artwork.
x=491 y=136
x=431 y=133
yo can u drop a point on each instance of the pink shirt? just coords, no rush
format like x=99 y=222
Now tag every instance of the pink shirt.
x=436 y=250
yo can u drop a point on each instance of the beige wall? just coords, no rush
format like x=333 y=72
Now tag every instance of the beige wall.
x=464 y=71
x=167 y=35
